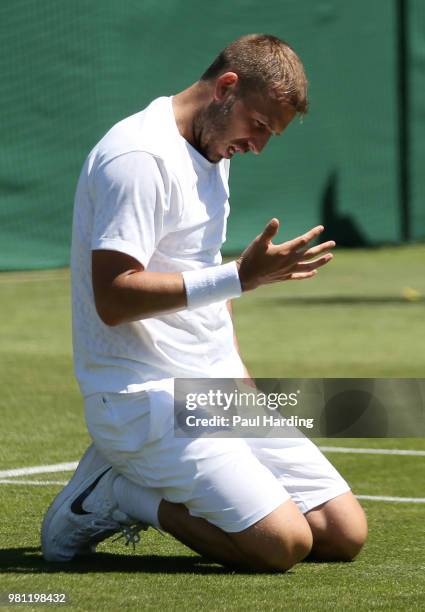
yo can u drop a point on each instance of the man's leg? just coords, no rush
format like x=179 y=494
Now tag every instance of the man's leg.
x=276 y=535
x=91 y=507
x=333 y=531
x=339 y=529
x=335 y=517
x=241 y=495
x=216 y=496
x=276 y=542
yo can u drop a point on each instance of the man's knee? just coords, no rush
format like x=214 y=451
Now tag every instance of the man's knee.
x=339 y=529
x=353 y=537
x=349 y=546
x=278 y=541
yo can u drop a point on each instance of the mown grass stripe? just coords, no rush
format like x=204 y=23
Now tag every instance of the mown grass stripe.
x=372 y=451
x=32 y=482
x=39 y=469
x=388 y=498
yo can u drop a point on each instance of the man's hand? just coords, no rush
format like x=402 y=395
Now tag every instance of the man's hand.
x=263 y=262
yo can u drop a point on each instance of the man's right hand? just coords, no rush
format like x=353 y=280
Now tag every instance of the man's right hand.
x=263 y=262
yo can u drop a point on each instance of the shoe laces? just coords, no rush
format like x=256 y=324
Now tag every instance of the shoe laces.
x=131 y=534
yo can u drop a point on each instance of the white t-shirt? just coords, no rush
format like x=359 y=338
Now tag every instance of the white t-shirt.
x=147 y=192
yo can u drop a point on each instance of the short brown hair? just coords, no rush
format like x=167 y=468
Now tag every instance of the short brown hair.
x=264 y=64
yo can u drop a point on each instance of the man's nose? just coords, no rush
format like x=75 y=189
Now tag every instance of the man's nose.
x=257 y=143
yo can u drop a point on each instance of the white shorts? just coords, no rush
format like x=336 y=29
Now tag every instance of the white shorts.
x=230 y=482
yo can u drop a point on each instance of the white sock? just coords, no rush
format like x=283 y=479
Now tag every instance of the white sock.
x=139 y=502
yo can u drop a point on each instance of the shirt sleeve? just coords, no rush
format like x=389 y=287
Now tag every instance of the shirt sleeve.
x=129 y=206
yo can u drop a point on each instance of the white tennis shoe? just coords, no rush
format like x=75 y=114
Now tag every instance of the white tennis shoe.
x=85 y=513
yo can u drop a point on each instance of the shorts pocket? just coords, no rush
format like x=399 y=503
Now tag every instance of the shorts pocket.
x=119 y=421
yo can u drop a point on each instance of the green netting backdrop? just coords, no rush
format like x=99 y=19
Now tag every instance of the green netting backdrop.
x=70 y=70
x=417 y=114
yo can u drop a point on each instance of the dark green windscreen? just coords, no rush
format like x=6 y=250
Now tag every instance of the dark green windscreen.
x=416 y=76
x=70 y=70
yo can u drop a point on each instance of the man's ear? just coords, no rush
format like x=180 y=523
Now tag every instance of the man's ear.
x=226 y=83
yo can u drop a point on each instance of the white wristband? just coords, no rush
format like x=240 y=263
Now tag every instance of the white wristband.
x=208 y=285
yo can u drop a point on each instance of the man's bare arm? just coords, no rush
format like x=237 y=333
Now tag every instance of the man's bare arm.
x=125 y=292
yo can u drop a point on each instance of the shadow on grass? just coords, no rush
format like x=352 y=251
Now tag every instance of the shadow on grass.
x=29 y=561
x=345 y=300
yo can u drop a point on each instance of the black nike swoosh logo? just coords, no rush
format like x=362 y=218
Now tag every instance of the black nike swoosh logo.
x=77 y=504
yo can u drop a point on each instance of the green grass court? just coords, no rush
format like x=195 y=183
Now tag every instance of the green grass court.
x=363 y=316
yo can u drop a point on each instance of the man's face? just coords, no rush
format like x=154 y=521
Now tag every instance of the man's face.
x=238 y=125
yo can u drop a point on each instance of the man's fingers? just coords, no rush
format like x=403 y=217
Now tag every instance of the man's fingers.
x=302 y=269
x=316 y=250
x=270 y=231
x=307 y=266
x=302 y=275
x=302 y=241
